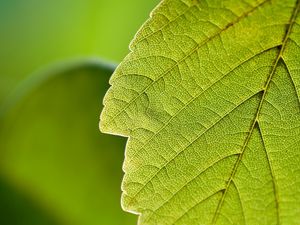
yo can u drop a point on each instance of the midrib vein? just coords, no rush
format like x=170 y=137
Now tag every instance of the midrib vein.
x=256 y=118
x=198 y=46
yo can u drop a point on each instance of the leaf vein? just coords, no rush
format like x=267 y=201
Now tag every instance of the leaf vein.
x=293 y=82
x=197 y=96
x=256 y=119
x=193 y=141
x=190 y=181
x=272 y=175
x=203 y=43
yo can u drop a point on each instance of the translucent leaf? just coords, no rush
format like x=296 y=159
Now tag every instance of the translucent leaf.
x=209 y=98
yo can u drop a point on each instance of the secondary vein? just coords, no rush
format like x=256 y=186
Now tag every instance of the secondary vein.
x=256 y=118
x=208 y=39
x=272 y=174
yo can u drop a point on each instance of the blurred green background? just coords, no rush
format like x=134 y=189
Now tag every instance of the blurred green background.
x=56 y=168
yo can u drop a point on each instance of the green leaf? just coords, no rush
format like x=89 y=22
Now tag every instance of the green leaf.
x=51 y=150
x=209 y=98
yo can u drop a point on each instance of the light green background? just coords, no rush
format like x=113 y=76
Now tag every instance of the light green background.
x=36 y=33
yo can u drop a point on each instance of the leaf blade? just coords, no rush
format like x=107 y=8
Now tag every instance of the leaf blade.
x=179 y=95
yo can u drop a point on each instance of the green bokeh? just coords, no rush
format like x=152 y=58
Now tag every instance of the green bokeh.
x=52 y=150
x=18 y=209
x=36 y=33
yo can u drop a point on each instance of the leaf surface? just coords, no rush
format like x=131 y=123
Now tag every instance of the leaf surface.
x=209 y=98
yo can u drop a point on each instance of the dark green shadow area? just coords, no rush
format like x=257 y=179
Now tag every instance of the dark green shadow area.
x=17 y=209
x=52 y=151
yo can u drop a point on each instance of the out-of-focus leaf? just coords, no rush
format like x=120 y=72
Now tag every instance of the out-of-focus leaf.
x=17 y=209
x=209 y=98
x=51 y=147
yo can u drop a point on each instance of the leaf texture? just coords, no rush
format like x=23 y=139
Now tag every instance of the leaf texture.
x=209 y=98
